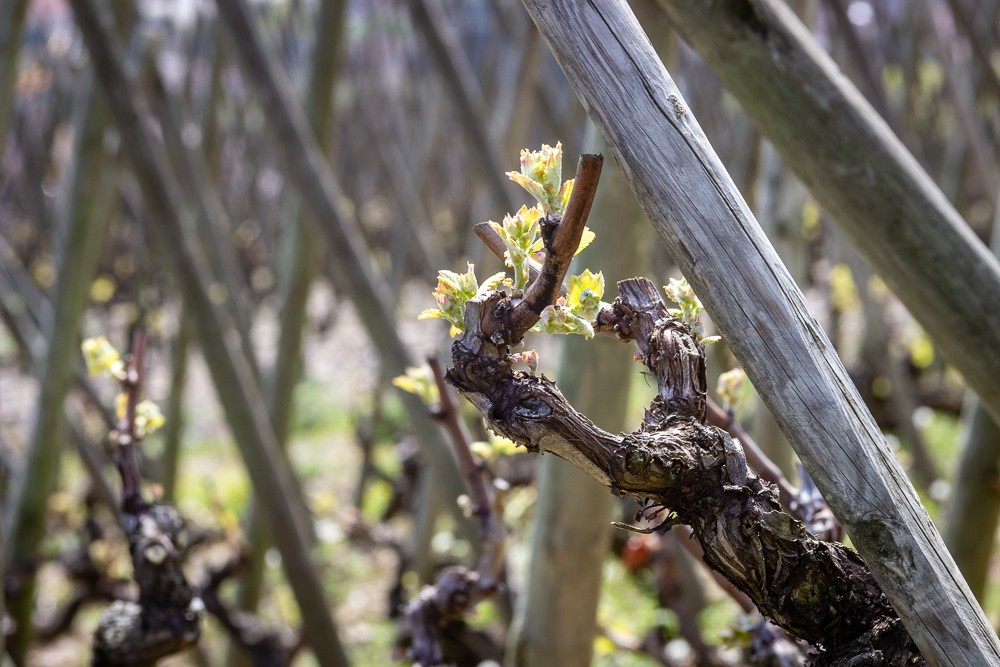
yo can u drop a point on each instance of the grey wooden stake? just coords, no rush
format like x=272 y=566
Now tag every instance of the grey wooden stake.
x=297 y=268
x=711 y=234
x=859 y=172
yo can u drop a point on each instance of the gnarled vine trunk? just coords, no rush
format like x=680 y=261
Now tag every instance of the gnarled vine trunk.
x=818 y=591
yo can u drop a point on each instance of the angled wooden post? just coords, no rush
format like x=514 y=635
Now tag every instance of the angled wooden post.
x=859 y=172
x=713 y=237
x=297 y=268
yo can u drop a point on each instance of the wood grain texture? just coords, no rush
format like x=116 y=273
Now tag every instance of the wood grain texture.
x=858 y=171
x=711 y=234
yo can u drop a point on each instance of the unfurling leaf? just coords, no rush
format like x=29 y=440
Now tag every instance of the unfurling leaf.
x=544 y=166
x=541 y=176
x=102 y=358
x=121 y=405
x=491 y=283
x=558 y=319
x=534 y=189
x=452 y=292
x=584 y=294
x=681 y=293
x=148 y=418
x=565 y=192
x=419 y=381
x=520 y=233
x=496 y=447
x=529 y=357
x=729 y=387
x=585 y=240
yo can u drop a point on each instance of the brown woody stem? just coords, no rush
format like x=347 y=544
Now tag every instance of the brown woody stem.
x=126 y=453
x=492 y=240
x=458 y=589
x=562 y=238
x=828 y=527
x=166 y=617
x=447 y=414
x=764 y=466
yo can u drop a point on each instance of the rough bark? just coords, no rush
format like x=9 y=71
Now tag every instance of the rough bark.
x=166 y=617
x=712 y=236
x=859 y=172
x=818 y=591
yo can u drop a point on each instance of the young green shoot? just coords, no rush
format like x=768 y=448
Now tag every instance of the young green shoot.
x=103 y=358
x=524 y=247
x=680 y=292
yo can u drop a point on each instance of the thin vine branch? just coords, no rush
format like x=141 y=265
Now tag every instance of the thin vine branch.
x=447 y=414
x=262 y=645
x=492 y=240
x=457 y=590
x=562 y=238
x=126 y=453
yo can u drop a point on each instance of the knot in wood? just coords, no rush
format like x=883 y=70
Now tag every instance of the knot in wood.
x=532 y=407
x=678 y=362
x=636 y=461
